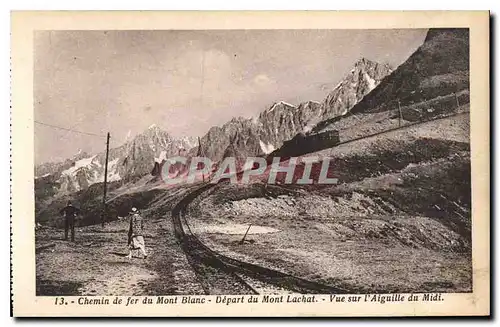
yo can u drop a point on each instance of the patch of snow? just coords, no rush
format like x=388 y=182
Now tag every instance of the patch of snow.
x=339 y=85
x=281 y=103
x=237 y=229
x=128 y=135
x=189 y=142
x=42 y=176
x=85 y=162
x=371 y=82
x=266 y=148
x=95 y=178
x=94 y=172
x=163 y=156
x=167 y=144
x=287 y=104
x=113 y=174
x=311 y=124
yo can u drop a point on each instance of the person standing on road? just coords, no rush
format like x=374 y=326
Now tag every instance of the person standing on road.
x=69 y=213
x=135 y=234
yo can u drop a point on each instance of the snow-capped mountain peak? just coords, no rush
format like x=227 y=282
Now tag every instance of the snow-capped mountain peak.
x=280 y=104
x=360 y=81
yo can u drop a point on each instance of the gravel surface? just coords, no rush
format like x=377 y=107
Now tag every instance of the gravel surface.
x=95 y=263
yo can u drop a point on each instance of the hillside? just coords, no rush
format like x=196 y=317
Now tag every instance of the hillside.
x=434 y=80
x=400 y=218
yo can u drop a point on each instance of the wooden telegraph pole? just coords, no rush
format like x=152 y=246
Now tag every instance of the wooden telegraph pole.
x=104 y=205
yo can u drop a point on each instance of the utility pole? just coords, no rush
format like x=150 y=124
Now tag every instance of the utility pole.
x=400 y=113
x=458 y=102
x=104 y=205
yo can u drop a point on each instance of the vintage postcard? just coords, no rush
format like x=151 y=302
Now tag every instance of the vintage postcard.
x=250 y=164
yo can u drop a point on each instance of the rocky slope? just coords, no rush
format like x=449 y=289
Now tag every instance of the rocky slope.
x=439 y=67
x=433 y=80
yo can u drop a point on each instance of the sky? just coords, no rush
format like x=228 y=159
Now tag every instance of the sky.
x=185 y=82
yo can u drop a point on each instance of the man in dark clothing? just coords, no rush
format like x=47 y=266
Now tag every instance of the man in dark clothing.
x=69 y=213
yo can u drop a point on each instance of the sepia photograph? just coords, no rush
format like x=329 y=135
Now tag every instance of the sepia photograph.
x=281 y=163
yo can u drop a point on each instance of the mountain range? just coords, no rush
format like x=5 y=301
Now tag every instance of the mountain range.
x=282 y=120
x=134 y=158
x=437 y=69
x=246 y=136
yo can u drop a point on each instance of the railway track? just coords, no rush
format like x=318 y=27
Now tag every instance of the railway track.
x=220 y=274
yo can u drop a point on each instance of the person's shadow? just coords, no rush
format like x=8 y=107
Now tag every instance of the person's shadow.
x=119 y=262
